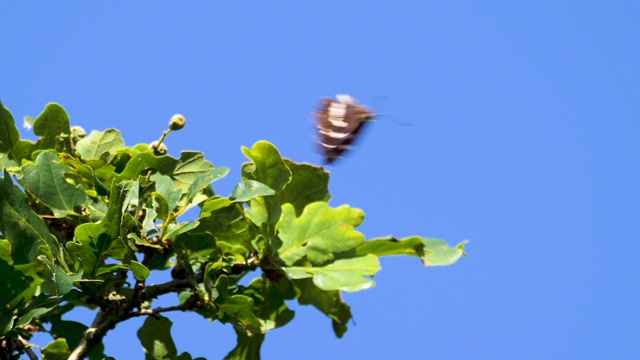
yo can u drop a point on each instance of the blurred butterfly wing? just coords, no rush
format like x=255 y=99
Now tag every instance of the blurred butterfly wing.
x=339 y=124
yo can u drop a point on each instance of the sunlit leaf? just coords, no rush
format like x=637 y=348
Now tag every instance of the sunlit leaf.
x=347 y=274
x=140 y=272
x=267 y=166
x=53 y=127
x=412 y=246
x=100 y=143
x=318 y=233
x=56 y=350
x=250 y=189
x=439 y=253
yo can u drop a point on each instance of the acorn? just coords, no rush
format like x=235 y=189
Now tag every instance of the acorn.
x=177 y=122
x=159 y=149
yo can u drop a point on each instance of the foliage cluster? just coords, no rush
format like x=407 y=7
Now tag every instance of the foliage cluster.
x=84 y=220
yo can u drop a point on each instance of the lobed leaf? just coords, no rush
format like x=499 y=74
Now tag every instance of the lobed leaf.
x=26 y=231
x=250 y=189
x=94 y=240
x=346 y=274
x=248 y=346
x=100 y=143
x=318 y=233
x=53 y=127
x=56 y=350
x=267 y=166
x=9 y=137
x=433 y=252
x=308 y=184
x=157 y=342
x=46 y=181
x=238 y=309
x=439 y=252
x=329 y=302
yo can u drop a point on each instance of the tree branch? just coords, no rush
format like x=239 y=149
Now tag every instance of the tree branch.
x=112 y=314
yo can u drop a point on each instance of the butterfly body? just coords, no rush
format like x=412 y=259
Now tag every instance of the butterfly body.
x=339 y=123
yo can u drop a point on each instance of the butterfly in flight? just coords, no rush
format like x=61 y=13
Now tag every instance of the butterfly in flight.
x=339 y=122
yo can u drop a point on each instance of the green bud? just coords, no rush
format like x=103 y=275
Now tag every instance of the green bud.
x=177 y=122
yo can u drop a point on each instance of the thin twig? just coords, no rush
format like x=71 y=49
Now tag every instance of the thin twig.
x=158 y=310
x=27 y=349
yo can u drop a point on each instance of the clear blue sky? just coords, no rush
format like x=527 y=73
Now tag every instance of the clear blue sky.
x=526 y=142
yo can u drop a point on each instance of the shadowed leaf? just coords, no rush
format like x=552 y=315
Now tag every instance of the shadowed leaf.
x=308 y=184
x=46 y=181
x=156 y=340
x=22 y=227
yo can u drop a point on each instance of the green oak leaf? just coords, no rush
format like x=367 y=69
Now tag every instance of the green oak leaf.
x=346 y=274
x=26 y=231
x=39 y=306
x=141 y=162
x=94 y=240
x=46 y=181
x=15 y=284
x=308 y=184
x=432 y=252
x=5 y=250
x=62 y=279
x=318 y=233
x=73 y=332
x=269 y=298
x=238 y=309
x=195 y=244
x=329 y=302
x=201 y=182
x=9 y=137
x=439 y=253
x=56 y=350
x=140 y=272
x=175 y=230
x=267 y=166
x=412 y=246
x=170 y=192
x=248 y=346
x=53 y=127
x=156 y=340
x=192 y=169
x=99 y=144
x=214 y=203
x=250 y=189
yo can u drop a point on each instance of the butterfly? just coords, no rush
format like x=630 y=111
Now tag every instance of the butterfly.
x=339 y=122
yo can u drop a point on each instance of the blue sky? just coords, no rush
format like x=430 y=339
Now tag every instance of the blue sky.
x=525 y=141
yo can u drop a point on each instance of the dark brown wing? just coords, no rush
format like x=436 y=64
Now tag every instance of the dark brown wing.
x=339 y=124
